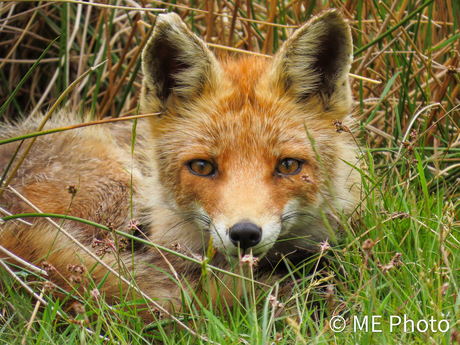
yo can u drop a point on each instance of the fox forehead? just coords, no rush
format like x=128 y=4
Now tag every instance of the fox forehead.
x=244 y=115
x=247 y=134
x=245 y=75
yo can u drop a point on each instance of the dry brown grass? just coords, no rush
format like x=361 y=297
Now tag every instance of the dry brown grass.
x=410 y=47
x=26 y=28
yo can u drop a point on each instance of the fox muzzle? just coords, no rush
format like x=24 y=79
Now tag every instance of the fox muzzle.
x=245 y=235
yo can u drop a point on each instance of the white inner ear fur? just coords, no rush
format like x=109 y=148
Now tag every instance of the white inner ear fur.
x=317 y=59
x=175 y=61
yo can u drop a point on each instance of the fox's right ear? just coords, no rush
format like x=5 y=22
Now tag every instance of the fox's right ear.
x=176 y=64
x=314 y=63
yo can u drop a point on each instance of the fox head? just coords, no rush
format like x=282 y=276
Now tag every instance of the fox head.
x=248 y=146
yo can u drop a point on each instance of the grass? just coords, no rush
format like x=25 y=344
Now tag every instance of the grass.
x=401 y=258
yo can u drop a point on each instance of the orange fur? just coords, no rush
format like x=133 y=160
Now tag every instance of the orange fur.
x=243 y=121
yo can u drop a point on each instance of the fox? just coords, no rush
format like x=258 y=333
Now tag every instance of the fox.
x=238 y=156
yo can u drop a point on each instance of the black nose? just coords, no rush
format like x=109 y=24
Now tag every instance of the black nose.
x=245 y=235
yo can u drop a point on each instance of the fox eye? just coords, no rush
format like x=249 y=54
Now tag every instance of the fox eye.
x=289 y=166
x=201 y=167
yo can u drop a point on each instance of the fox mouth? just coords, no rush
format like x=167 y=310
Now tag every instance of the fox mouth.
x=242 y=238
x=237 y=254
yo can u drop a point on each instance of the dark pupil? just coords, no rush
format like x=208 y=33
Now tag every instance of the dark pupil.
x=288 y=163
x=201 y=166
x=288 y=166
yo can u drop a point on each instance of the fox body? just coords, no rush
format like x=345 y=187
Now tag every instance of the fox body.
x=242 y=151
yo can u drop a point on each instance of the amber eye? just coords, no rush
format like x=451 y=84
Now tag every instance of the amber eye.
x=289 y=166
x=201 y=167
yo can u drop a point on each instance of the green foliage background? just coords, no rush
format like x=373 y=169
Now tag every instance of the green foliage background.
x=400 y=258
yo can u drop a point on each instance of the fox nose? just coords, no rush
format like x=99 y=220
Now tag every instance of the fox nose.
x=245 y=235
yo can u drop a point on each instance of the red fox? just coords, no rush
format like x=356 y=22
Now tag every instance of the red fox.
x=243 y=152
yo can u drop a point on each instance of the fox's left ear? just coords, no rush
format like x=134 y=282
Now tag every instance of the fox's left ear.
x=315 y=62
x=177 y=65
